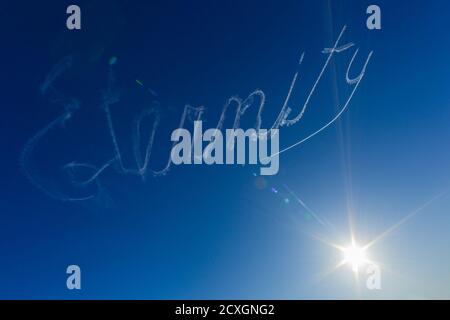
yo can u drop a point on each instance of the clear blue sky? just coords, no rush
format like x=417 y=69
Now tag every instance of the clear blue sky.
x=221 y=232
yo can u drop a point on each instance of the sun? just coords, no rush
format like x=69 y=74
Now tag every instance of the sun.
x=355 y=256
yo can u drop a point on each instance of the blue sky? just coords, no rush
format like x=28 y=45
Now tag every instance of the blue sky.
x=219 y=231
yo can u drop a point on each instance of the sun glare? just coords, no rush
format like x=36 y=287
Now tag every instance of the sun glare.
x=355 y=256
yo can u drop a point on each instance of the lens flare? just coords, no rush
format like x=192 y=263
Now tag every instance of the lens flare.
x=355 y=256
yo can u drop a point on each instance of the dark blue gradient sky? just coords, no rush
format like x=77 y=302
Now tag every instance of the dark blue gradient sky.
x=219 y=231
